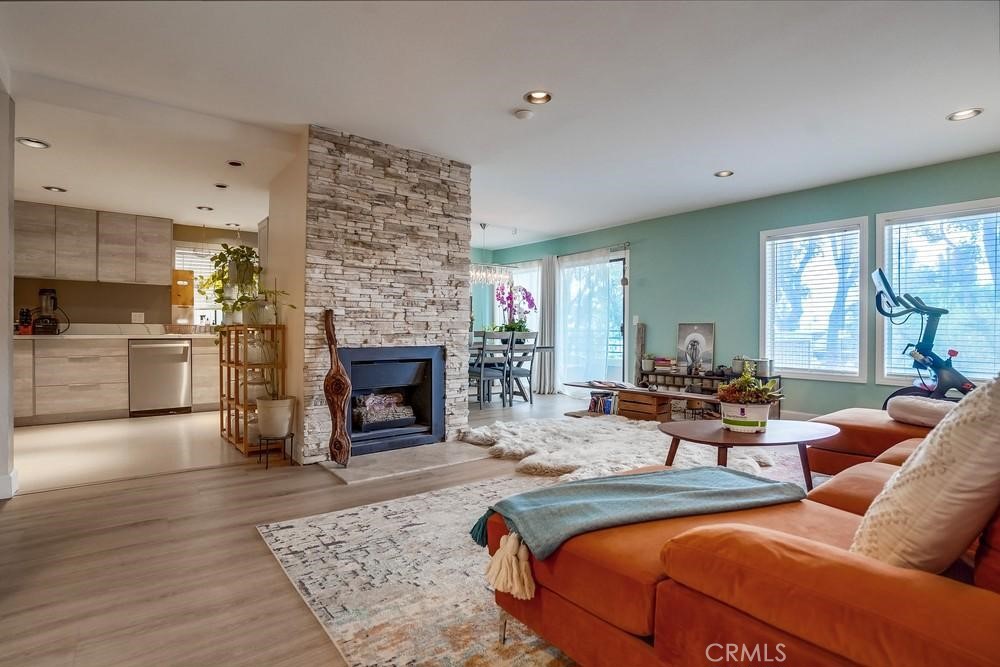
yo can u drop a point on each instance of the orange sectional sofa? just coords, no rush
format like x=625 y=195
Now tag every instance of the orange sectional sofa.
x=864 y=434
x=767 y=586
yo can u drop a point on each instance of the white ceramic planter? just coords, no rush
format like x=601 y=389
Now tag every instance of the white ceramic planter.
x=745 y=418
x=274 y=416
x=647 y=365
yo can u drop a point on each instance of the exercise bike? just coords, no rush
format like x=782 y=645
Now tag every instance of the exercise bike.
x=943 y=376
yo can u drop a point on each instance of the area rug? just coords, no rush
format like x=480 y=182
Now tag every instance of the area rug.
x=402 y=583
x=578 y=448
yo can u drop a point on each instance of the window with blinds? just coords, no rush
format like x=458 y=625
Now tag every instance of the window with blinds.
x=199 y=259
x=950 y=261
x=813 y=315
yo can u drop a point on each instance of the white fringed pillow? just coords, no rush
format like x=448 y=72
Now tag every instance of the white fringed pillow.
x=919 y=410
x=936 y=504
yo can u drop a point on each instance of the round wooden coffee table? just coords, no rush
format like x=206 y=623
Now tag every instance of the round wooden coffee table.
x=779 y=432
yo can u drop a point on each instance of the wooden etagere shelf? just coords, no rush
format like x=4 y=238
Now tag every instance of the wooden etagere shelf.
x=243 y=351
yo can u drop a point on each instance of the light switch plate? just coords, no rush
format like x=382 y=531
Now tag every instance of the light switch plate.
x=138 y=318
x=635 y=320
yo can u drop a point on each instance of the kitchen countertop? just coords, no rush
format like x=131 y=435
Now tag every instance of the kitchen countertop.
x=69 y=336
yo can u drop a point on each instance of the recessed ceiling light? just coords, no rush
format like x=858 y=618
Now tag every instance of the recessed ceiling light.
x=233 y=225
x=725 y=173
x=221 y=186
x=965 y=114
x=205 y=208
x=524 y=114
x=54 y=188
x=31 y=142
x=235 y=163
x=537 y=97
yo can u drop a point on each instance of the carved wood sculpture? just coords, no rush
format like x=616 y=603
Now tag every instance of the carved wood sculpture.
x=337 y=387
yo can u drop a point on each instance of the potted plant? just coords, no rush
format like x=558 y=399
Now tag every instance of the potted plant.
x=746 y=401
x=515 y=302
x=275 y=411
x=648 y=362
x=233 y=281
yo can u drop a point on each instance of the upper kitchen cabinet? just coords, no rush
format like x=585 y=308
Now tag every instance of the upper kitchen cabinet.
x=154 y=250
x=76 y=244
x=116 y=243
x=34 y=240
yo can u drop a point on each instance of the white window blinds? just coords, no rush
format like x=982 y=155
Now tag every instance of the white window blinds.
x=949 y=262
x=812 y=313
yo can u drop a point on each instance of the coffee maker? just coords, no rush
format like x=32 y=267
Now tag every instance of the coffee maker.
x=46 y=322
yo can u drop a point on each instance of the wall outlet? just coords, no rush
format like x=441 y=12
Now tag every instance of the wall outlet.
x=635 y=320
x=138 y=318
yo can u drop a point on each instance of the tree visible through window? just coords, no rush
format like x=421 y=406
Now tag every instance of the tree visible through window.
x=811 y=299
x=949 y=262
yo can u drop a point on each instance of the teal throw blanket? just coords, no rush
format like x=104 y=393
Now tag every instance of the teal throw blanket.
x=548 y=517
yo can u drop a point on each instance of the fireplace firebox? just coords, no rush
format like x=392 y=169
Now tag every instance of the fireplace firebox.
x=410 y=381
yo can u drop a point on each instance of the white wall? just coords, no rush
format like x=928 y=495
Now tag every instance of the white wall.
x=8 y=476
x=286 y=256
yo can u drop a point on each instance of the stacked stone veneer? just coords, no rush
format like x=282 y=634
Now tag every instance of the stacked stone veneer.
x=387 y=248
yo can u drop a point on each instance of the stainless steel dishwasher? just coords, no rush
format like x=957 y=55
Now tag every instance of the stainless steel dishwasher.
x=159 y=377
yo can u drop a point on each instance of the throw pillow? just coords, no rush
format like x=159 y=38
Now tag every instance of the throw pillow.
x=935 y=505
x=919 y=410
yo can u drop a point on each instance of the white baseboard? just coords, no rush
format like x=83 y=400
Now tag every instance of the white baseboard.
x=797 y=416
x=8 y=485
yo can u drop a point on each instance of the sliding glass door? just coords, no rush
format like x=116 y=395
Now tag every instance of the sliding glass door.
x=590 y=319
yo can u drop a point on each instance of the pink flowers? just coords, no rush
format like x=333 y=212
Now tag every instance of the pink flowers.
x=516 y=302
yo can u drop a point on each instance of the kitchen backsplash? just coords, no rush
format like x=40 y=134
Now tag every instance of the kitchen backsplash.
x=91 y=302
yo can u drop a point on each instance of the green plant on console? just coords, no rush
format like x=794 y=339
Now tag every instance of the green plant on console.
x=749 y=390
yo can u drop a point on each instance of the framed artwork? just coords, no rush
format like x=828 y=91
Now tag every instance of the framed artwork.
x=696 y=345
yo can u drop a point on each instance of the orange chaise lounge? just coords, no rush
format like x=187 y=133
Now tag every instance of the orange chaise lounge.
x=767 y=586
x=864 y=434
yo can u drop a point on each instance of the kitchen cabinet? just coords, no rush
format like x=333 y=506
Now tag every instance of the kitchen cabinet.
x=24 y=379
x=77 y=378
x=85 y=399
x=205 y=373
x=76 y=244
x=116 y=247
x=80 y=376
x=68 y=243
x=154 y=250
x=34 y=240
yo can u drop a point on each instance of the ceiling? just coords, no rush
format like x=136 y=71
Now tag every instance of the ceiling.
x=116 y=153
x=649 y=99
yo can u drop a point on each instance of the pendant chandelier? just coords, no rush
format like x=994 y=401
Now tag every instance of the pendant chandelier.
x=489 y=274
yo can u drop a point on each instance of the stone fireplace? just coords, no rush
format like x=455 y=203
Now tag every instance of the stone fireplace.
x=387 y=249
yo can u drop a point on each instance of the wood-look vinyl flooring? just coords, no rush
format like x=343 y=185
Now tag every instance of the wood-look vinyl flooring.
x=170 y=570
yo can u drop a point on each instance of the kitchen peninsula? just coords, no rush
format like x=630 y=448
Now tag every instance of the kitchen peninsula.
x=84 y=374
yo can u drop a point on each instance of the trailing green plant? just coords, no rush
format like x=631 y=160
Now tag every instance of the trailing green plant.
x=749 y=390
x=649 y=355
x=234 y=278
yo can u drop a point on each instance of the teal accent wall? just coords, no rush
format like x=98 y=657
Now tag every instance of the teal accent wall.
x=704 y=266
x=482 y=295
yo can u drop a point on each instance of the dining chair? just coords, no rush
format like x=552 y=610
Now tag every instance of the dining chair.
x=490 y=362
x=522 y=361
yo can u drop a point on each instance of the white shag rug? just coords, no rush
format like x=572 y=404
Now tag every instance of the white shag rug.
x=581 y=448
